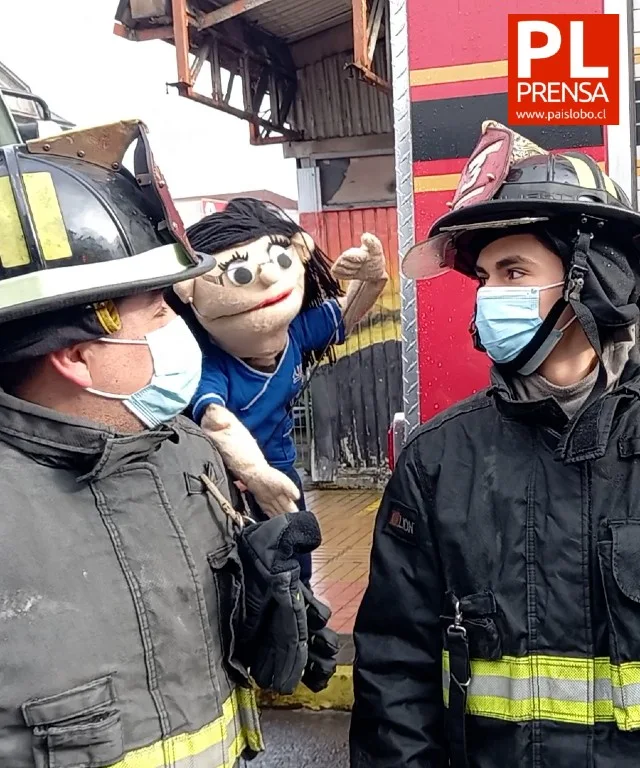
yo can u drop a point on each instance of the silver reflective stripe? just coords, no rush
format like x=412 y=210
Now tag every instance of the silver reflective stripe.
x=519 y=690
x=551 y=688
x=627 y=696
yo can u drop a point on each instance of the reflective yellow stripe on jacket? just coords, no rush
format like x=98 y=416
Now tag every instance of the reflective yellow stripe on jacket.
x=218 y=745
x=569 y=690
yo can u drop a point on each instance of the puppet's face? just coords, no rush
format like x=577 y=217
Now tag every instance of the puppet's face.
x=252 y=295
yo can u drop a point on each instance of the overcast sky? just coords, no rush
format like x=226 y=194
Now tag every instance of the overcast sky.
x=67 y=53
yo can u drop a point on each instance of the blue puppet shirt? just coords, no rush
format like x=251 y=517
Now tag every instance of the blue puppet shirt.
x=262 y=401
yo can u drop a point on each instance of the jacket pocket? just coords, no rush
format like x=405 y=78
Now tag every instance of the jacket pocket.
x=619 y=559
x=479 y=619
x=227 y=576
x=80 y=728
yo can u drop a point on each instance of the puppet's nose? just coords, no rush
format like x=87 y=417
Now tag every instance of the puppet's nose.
x=269 y=274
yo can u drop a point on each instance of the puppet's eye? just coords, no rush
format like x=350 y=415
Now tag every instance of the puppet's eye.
x=240 y=275
x=278 y=253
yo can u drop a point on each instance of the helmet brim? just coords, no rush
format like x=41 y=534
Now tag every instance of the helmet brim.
x=54 y=289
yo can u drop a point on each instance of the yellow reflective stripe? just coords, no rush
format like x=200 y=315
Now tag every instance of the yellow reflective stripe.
x=574 y=690
x=521 y=667
x=586 y=177
x=13 y=248
x=610 y=187
x=47 y=216
x=569 y=668
x=234 y=731
x=250 y=717
x=532 y=709
x=47 y=220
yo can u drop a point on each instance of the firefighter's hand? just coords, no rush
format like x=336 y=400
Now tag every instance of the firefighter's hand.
x=273 y=491
x=366 y=263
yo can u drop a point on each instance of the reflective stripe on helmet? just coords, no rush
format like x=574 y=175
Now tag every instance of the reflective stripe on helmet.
x=13 y=248
x=47 y=216
x=47 y=219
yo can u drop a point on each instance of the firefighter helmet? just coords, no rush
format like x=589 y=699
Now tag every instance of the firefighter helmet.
x=76 y=227
x=510 y=182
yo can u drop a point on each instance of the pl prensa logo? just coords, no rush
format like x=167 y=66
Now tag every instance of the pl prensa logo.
x=564 y=69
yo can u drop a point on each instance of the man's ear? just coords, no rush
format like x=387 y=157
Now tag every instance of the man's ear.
x=184 y=290
x=304 y=245
x=72 y=363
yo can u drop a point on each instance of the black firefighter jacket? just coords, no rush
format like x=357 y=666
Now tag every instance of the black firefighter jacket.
x=532 y=526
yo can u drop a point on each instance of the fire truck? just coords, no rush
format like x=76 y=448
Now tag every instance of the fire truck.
x=449 y=74
x=378 y=103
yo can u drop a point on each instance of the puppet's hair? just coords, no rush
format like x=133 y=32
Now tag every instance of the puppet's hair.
x=246 y=219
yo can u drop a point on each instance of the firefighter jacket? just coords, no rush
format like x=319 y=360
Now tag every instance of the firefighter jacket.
x=529 y=526
x=119 y=583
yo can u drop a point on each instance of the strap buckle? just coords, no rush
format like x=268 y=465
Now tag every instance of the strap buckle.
x=456 y=629
x=458 y=634
x=574 y=282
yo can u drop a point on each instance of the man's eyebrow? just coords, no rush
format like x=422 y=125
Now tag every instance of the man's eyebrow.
x=507 y=261
x=154 y=300
x=514 y=260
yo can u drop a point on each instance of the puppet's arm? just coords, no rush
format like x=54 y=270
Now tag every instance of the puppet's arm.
x=366 y=270
x=273 y=490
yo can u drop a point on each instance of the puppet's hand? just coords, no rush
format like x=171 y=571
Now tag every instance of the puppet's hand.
x=273 y=491
x=366 y=263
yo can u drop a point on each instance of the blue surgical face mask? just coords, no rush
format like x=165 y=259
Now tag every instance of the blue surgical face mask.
x=507 y=319
x=177 y=366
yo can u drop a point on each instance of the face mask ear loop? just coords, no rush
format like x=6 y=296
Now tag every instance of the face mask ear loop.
x=566 y=325
x=106 y=395
x=107 y=340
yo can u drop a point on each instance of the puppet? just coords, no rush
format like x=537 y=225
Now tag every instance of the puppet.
x=271 y=309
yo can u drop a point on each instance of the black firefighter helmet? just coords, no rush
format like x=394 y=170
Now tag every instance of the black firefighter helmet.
x=510 y=185
x=77 y=230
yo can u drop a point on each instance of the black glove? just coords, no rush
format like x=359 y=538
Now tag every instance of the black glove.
x=324 y=645
x=274 y=639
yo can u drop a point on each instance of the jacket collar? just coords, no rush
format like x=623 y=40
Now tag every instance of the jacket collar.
x=58 y=440
x=586 y=436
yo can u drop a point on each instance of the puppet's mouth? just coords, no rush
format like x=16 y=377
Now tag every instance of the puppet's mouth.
x=266 y=303
x=271 y=301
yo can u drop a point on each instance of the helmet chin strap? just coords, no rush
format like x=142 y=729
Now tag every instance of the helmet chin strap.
x=545 y=349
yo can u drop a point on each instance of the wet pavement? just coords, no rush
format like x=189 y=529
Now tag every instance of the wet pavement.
x=303 y=739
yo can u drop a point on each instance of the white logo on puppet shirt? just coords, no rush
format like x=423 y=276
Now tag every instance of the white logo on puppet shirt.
x=298 y=376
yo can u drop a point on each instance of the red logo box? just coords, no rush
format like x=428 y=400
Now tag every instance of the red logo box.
x=564 y=69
